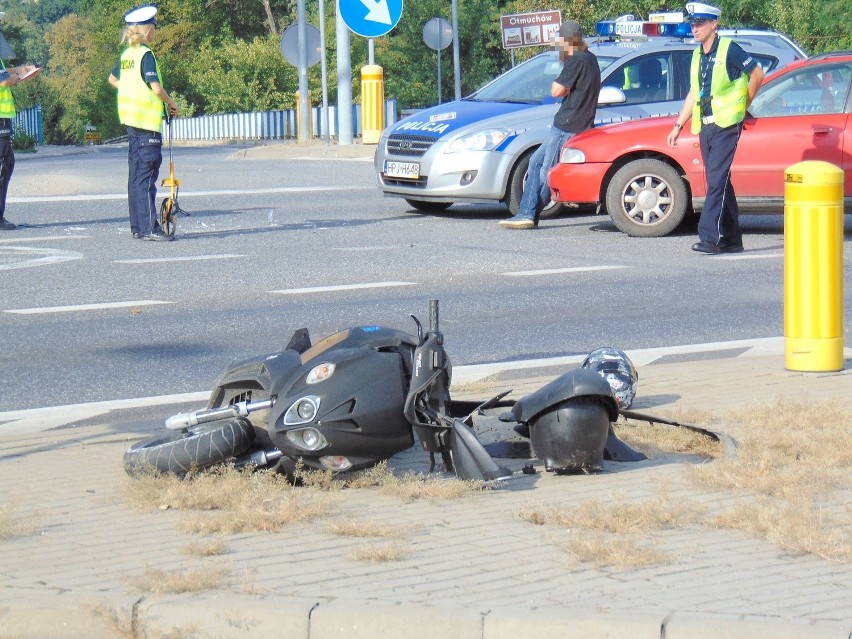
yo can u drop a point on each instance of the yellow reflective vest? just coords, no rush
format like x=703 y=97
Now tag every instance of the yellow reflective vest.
x=7 y=102
x=727 y=98
x=138 y=106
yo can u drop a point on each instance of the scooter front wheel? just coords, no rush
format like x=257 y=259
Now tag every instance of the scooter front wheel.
x=196 y=448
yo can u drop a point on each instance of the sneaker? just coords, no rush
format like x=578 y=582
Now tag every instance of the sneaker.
x=5 y=225
x=518 y=222
x=706 y=247
x=136 y=235
x=157 y=237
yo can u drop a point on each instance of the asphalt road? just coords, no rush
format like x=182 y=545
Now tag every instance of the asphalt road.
x=272 y=245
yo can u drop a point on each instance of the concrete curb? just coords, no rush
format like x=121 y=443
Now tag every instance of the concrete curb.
x=106 y=616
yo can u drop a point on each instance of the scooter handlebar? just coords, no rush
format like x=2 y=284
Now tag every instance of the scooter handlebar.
x=194 y=418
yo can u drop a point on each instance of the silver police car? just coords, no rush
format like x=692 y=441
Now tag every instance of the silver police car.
x=477 y=149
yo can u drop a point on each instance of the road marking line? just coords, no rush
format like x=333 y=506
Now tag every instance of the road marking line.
x=366 y=248
x=749 y=257
x=46 y=238
x=184 y=194
x=83 y=307
x=188 y=258
x=556 y=271
x=46 y=256
x=342 y=287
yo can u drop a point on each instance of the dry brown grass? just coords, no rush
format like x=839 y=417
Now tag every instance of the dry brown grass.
x=160 y=582
x=613 y=551
x=796 y=527
x=618 y=516
x=659 y=439
x=376 y=553
x=227 y=501
x=360 y=528
x=787 y=450
x=13 y=525
x=614 y=533
x=205 y=548
x=408 y=487
x=792 y=458
x=126 y=626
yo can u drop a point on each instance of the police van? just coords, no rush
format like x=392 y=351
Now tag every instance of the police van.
x=477 y=149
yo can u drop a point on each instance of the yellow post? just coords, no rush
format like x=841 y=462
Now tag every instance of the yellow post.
x=813 y=267
x=299 y=116
x=372 y=103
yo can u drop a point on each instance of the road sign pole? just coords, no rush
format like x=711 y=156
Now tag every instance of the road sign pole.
x=456 y=64
x=326 y=134
x=344 y=81
x=439 y=75
x=304 y=103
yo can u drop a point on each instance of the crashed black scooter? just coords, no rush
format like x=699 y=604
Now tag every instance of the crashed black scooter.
x=360 y=396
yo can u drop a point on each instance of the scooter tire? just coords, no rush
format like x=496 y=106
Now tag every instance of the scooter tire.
x=197 y=448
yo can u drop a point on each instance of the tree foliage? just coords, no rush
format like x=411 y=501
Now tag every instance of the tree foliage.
x=223 y=55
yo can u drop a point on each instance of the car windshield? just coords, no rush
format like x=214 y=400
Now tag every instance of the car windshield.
x=528 y=83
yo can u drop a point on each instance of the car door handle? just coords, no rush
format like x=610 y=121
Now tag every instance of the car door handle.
x=821 y=131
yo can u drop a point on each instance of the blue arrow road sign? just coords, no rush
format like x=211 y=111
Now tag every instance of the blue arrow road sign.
x=370 y=18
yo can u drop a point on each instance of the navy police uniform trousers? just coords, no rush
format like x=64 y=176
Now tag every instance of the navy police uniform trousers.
x=7 y=161
x=144 y=157
x=720 y=217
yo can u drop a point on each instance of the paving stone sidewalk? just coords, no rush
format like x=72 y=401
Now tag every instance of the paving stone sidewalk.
x=470 y=567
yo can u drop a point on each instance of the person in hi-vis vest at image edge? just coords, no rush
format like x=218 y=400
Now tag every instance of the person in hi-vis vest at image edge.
x=142 y=101
x=8 y=78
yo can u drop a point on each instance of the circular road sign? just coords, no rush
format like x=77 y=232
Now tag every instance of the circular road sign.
x=370 y=18
x=290 y=44
x=438 y=34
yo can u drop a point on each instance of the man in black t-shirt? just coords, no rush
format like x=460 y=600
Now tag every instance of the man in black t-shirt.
x=578 y=85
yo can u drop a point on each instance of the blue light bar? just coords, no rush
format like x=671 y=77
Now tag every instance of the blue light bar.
x=676 y=30
x=605 y=27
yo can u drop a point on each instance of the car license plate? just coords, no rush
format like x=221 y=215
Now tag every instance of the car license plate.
x=410 y=170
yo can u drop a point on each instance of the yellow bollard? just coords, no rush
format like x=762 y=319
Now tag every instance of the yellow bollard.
x=372 y=103
x=813 y=267
x=299 y=116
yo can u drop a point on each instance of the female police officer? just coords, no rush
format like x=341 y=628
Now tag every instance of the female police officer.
x=141 y=97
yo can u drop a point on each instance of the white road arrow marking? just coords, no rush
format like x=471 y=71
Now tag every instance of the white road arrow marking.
x=378 y=11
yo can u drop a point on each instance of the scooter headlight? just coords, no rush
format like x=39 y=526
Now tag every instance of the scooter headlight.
x=307 y=438
x=302 y=411
x=320 y=373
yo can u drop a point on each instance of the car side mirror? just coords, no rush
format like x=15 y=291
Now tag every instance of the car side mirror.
x=611 y=95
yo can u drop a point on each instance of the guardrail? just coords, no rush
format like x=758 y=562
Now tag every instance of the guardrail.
x=257 y=125
x=30 y=121
x=266 y=125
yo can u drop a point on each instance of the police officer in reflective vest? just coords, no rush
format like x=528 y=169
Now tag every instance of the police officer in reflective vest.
x=8 y=78
x=141 y=100
x=723 y=81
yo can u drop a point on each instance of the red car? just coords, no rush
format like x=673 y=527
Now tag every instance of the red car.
x=801 y=112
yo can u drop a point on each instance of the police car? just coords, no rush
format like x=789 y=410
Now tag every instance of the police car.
x=477 y=149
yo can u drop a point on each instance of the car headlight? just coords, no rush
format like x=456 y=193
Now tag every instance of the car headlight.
x=572 y=156
x=486 y=140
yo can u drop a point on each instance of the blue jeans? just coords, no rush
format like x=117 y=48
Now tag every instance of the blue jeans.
x=537 y=190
